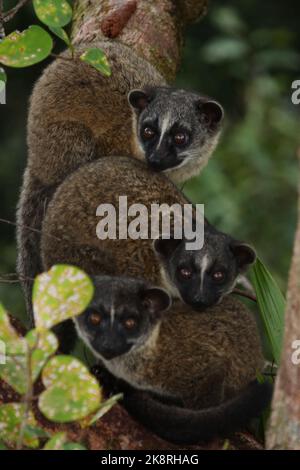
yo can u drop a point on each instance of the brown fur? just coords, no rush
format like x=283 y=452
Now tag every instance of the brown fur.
x=76 y=115
x=202 y=359
x=71 y=217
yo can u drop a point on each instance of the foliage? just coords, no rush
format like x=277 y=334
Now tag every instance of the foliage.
x=271 y=306
x=35 y=44
x=70 y=392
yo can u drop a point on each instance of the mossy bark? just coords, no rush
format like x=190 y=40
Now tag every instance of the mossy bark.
x=154 y=29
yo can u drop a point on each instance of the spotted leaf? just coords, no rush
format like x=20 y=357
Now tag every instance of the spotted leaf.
x=11 y=417
x=56 y=13
x=61 y=293
x=44 y=344
x=71 y=393
x=21 y=49
x=58 y=442
x=97 y=59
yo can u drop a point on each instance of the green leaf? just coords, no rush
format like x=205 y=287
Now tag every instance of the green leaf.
x=105 y=407
x=61 y=293
x=26 y=48
x=271 y=305
x=56 y=442
x=71 y=393
x=36 y=431
x=14 y=371
x=54 y=13
x=73 y=446
x=45 y=344
x=98 y=60
x=223 y=49
x=61 y=33
x=7 y=332
x=11 y=416
x=228 y=20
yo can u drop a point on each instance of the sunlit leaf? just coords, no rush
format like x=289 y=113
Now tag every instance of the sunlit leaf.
x=98 y=59
x=61 y=33
x=56 y=442
x=45 y=344
x=56 y=13
x=7 y=332
x=11 y=417
x=73 y=446
x=21 y=49
x=71 y=392
x=61 y=293
x=105 y=407
x=13 y=370
x=271 y=306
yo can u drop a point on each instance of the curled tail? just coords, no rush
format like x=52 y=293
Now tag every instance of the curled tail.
x=186 y=426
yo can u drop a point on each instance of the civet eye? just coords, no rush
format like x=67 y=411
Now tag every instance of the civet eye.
x=185 y=273
x=148 y=133
x=180 y=138
x=95 y=318
x=218 y=276
x=130 y=323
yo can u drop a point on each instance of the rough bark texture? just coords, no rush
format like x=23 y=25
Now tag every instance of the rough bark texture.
x=154 y=29
x=284 y=430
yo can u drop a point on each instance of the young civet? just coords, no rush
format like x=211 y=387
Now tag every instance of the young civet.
x=206 y=364
x=78 y=115
x=203 y=277
x=69 y=234
x=175 y=130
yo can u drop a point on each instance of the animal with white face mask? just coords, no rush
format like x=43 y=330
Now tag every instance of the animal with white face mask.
x=175 y=130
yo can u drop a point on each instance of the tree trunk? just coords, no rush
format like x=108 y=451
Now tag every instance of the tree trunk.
x=284 y=430
x=154 y=29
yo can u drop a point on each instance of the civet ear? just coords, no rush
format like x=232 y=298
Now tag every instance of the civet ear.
x=165 y=248
x=139 y=99
x=156 y=300
x=244 y=254
x=211 y=113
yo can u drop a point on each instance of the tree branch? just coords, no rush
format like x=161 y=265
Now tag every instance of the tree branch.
x=284 y=430
x=11 y=13
x=153 y=29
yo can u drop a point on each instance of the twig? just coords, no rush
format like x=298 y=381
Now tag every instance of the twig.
x=11 y=13
x=27 y=227
x=244 y=293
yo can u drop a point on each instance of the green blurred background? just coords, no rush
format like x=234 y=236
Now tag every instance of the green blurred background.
x=245 y=54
